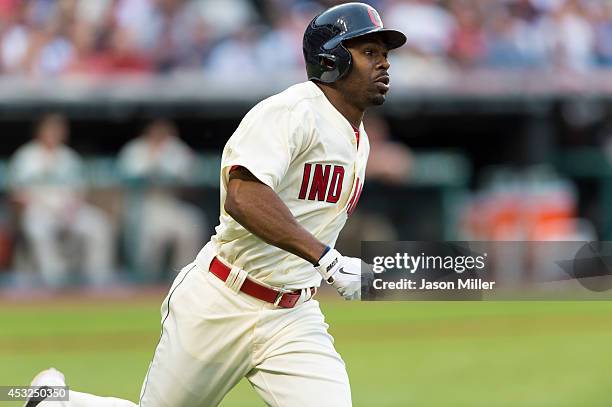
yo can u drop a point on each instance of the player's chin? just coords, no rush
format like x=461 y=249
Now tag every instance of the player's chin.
x=378 y=99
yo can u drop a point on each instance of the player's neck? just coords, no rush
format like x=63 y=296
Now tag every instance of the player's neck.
x=350 y=111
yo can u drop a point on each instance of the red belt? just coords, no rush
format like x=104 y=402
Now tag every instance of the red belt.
x=282 y=299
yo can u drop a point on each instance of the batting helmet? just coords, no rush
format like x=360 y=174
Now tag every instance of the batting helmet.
x=327 y=59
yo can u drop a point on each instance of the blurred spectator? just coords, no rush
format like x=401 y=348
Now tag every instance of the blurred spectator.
x=507 y=45
x=161 y=160
x=52 y=46
x=427 y=25
x=389 y=161
x=236 y=56
x=602 y=18
x=467 y=41
x=47 y=184
x=517 y=36
x=282 y=44
x=14 y=37
x=172 y=33
x=119 y=56
x=570 y=35
x=225 y=17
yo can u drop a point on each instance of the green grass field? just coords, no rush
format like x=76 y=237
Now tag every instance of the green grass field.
x=397 y=354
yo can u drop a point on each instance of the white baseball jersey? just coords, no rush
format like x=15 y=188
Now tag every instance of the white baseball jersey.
x=299 y=145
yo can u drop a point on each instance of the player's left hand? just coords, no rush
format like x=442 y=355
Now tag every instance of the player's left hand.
x=343 y=273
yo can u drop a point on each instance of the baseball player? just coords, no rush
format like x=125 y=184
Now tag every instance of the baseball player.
x=155 y=159
x=290 y=176
x=47 y=182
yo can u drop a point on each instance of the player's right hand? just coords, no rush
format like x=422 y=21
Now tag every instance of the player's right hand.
x=342 y=273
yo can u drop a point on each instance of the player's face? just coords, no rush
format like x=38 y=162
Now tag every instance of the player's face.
x=367 y=83
x=53 y=132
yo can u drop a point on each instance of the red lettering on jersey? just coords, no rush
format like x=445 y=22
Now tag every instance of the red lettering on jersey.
x=335 y=188
x=305 y=182
x=320 y=180
x=355 y=198
x=326 y=184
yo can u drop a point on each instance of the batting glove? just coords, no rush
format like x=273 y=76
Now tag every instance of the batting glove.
x=342 y=273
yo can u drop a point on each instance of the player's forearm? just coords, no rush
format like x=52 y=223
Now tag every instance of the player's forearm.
x=256 y=207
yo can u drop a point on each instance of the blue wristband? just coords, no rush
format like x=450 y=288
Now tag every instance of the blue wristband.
x=327 y=248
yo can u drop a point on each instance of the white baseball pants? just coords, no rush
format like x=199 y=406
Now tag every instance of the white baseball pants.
x=212 y=337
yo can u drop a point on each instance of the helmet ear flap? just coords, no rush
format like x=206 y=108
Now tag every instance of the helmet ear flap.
x=344 y=60
x=327 y=67
x=327 y=62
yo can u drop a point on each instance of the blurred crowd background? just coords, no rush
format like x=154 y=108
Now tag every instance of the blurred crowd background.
x=113 y=114
x=67 y=37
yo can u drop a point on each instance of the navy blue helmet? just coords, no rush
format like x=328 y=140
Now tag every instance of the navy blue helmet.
x=327 y=59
